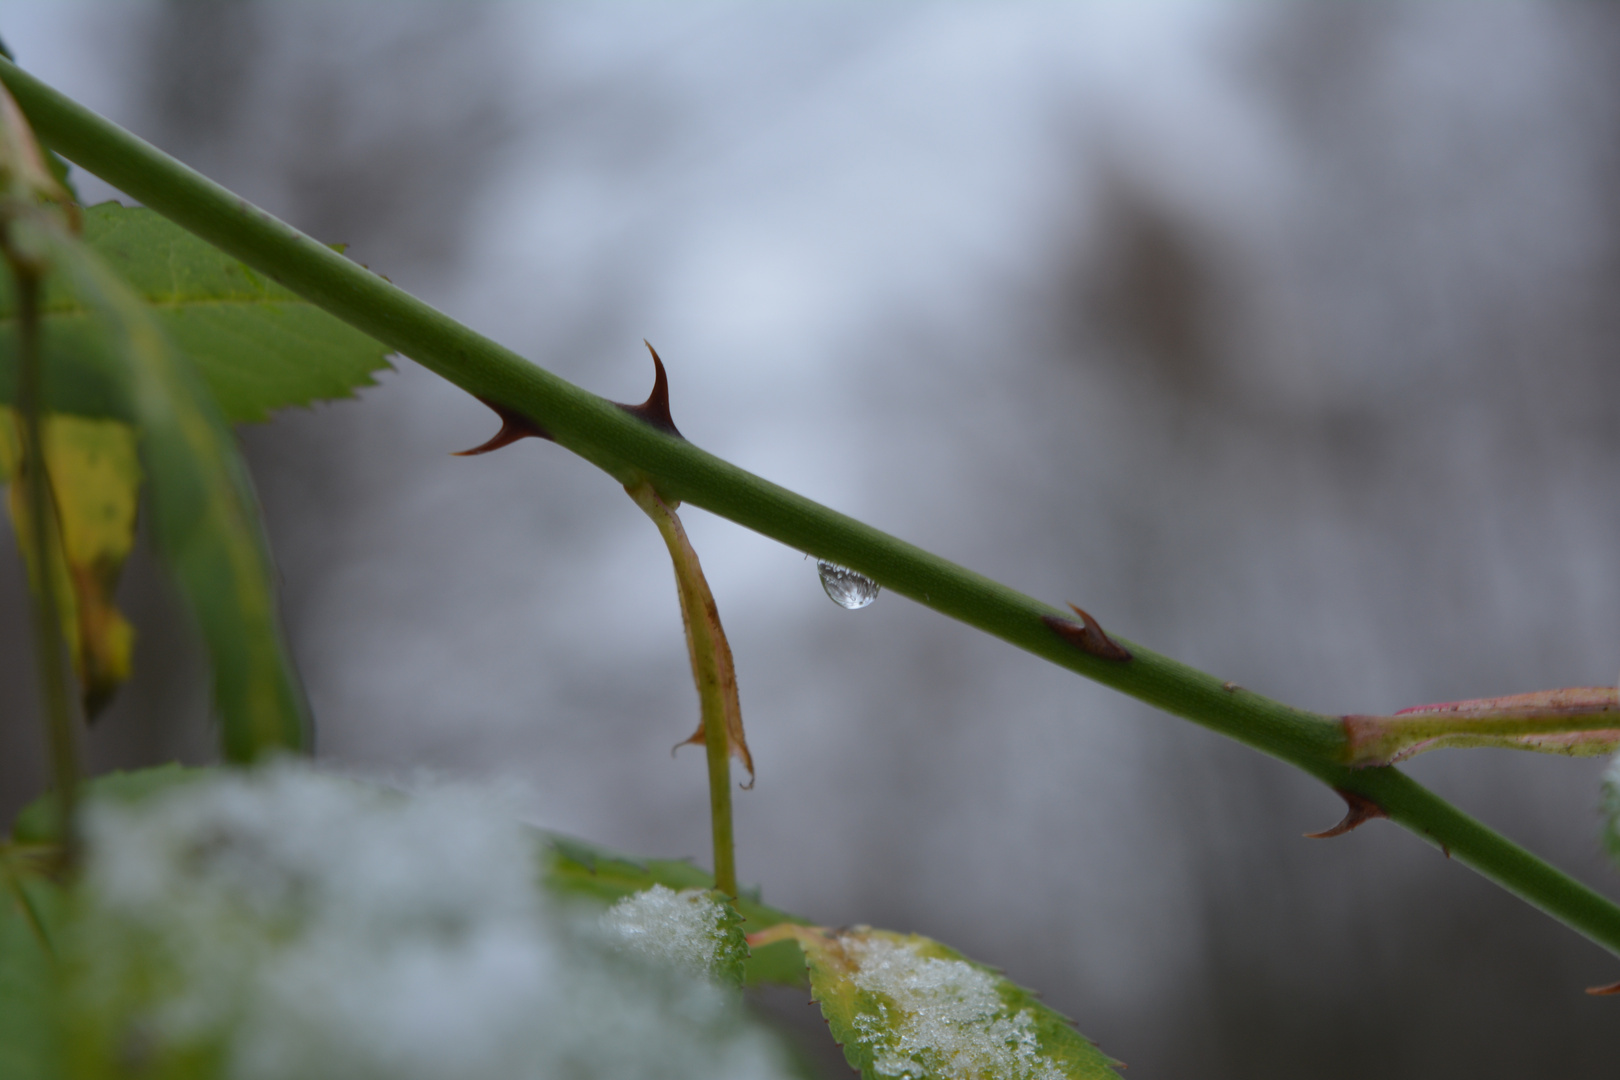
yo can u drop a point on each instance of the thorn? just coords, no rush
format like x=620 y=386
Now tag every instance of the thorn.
x=1230 y=687
x=1088 y=638
x=655 y=410
x=1358 y=811
x=513 y=428
x=1604 y=991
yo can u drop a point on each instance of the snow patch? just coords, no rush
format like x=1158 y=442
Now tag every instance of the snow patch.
x=685 y=928
x=941 y=1017
x=296 y=925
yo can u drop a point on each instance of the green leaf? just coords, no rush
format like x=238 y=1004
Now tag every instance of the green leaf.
x=28 y=974
x=257 y=346
x=906 y=1006
x=36 y=822
x=204 y=514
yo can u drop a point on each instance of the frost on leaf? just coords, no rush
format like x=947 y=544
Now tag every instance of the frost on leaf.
x=693 y=929
x=279 y=924
x=908 y=1007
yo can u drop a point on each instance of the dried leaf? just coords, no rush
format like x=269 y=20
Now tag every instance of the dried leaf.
x=712 y=667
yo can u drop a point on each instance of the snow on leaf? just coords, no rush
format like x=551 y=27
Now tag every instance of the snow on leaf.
x=258 y=346
x=585 y=873
x=694 y=929
x=277 y=923
x=905 y=1006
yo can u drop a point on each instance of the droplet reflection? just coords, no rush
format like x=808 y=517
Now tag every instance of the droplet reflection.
x=846 y=588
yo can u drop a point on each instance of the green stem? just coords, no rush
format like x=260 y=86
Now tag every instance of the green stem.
x=34 y=477
x=633 y=451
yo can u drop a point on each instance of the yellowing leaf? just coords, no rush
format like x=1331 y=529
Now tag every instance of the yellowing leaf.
x=95 y=475
x=906 y=1006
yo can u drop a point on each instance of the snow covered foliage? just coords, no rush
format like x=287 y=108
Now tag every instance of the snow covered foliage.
x=907 y=1007
x=286 y=924
x=690 y=929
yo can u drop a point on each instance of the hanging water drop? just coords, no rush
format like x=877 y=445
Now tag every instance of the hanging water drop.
x=847 y=588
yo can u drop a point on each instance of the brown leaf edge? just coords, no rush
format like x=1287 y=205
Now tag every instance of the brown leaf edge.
x=1604 y=991
x=1358 y=811
x=1088 y=638
x=514 y=426
x=700 y=615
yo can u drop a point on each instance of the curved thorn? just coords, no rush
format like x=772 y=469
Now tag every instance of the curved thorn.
x=1358 y=811
x=513 y=428
x=1089 y=638
x=1604 y=991
x=655 y=410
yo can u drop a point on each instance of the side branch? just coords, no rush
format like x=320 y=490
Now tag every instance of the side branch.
x=1578 y=722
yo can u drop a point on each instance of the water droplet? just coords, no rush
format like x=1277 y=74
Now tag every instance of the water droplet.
x=847 y=588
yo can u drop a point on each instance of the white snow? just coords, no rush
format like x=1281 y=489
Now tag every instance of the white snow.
x=679 y=928
x=947 y=1018
x=316 y=927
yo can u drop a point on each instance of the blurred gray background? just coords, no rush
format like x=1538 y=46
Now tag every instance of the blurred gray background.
x=1282 y=338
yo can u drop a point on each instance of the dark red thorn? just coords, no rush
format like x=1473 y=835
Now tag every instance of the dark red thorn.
x=1088 y=638
x=1604 y=991
x=513 y=428
x=1358 y=811
x=655 y=410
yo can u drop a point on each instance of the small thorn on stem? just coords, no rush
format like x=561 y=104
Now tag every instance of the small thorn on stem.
x=1358 y=811
x=655 y=410
x=513 y=428
x=1604 y=991
x=1088 y=638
